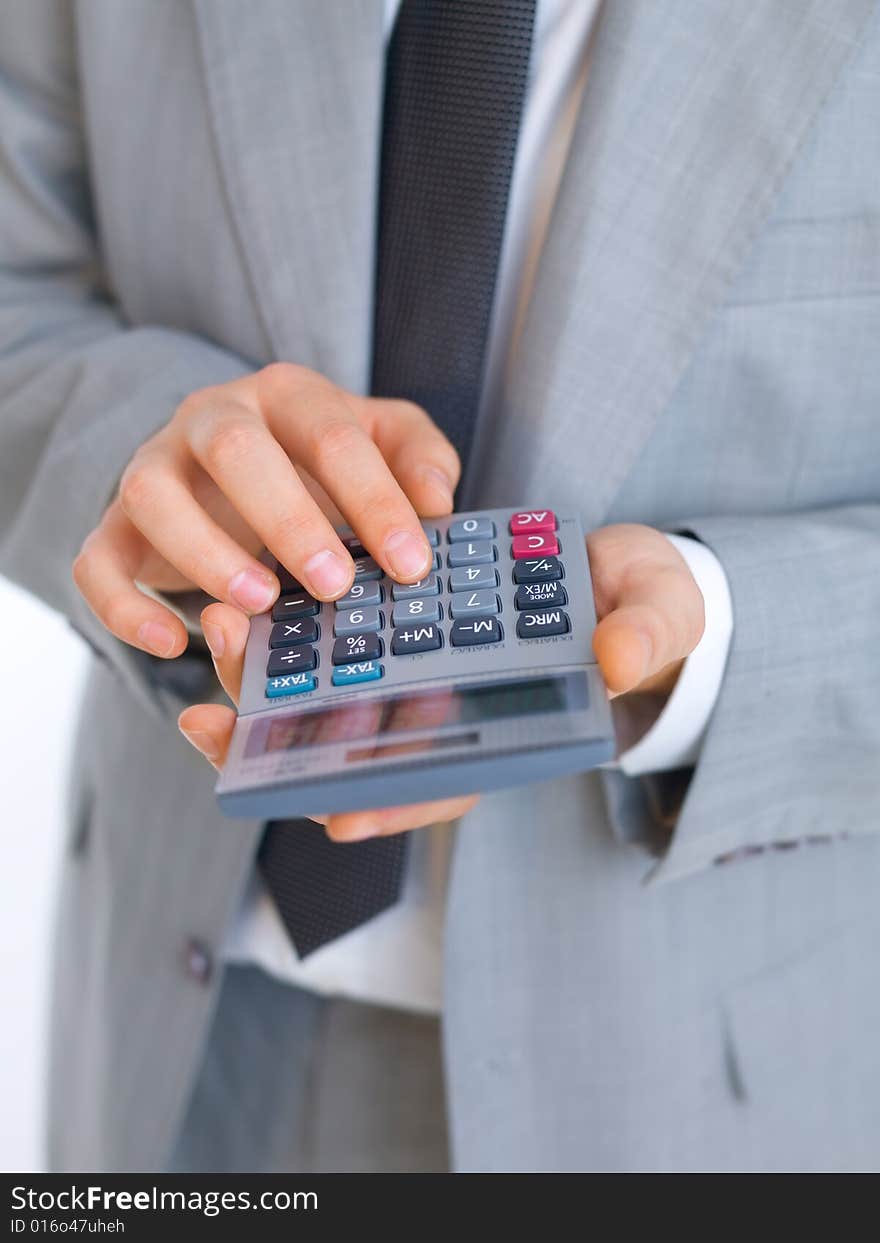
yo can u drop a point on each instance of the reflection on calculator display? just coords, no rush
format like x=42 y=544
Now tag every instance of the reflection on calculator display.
x=406 y=713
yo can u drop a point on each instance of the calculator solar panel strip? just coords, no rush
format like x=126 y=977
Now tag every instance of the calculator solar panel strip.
x=479 y=677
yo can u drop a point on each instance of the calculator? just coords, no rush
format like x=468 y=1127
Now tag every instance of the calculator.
x=479 y=676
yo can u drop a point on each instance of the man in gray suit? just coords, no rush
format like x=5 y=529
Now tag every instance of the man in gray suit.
x=655 y=968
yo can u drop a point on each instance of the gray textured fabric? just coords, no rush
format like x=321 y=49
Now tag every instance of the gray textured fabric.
x=292 y=1081
x=701 y=352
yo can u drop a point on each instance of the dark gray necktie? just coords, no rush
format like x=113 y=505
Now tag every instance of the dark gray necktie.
x=454 y=84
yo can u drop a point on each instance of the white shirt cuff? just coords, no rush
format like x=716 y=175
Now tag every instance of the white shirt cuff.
x=675 y=738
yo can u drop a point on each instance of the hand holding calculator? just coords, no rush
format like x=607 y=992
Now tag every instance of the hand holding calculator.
x=479 y=676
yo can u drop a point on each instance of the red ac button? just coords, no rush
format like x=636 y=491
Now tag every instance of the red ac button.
x=533 y=520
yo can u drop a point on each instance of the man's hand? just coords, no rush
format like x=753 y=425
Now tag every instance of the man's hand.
x=650 y=618
x=649 y=607
x=242 y=466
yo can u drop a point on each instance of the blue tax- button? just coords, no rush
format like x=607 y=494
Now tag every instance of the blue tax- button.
x=290 y=684
x=360 y=671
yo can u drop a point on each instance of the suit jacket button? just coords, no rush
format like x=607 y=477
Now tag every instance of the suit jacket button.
x=198 y=960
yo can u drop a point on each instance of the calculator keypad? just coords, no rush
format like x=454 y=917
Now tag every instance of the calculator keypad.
x=481 y=568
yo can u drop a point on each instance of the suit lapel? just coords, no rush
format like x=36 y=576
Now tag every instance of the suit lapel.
x=296 y=92
x=691 y=118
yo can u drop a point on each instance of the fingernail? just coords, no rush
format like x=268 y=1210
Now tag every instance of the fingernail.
x=408 y=555
x=648 y=649
x=202 y=742
x=252 y=591
x=359 y=834
x=215 y=639
x=442 y=483
x=327 y=573
x=158 y=638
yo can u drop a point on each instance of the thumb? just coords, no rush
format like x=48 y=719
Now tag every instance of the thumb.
x=657 y=621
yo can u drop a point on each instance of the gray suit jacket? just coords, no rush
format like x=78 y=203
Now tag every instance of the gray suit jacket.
x=639 y=975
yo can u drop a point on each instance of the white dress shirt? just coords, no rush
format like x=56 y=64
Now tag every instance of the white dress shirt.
x=396 y=959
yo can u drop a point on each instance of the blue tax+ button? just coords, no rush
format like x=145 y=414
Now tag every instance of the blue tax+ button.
x=290 y=684
x=361 y=671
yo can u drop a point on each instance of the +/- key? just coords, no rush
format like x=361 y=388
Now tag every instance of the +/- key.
x=539 y=570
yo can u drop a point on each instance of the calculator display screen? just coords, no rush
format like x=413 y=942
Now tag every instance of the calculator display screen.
x=419 y=710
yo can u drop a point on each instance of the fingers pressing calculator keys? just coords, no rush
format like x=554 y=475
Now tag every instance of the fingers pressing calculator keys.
x=479 y=675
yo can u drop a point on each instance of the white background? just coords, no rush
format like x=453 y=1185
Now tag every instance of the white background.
x=36 y=728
